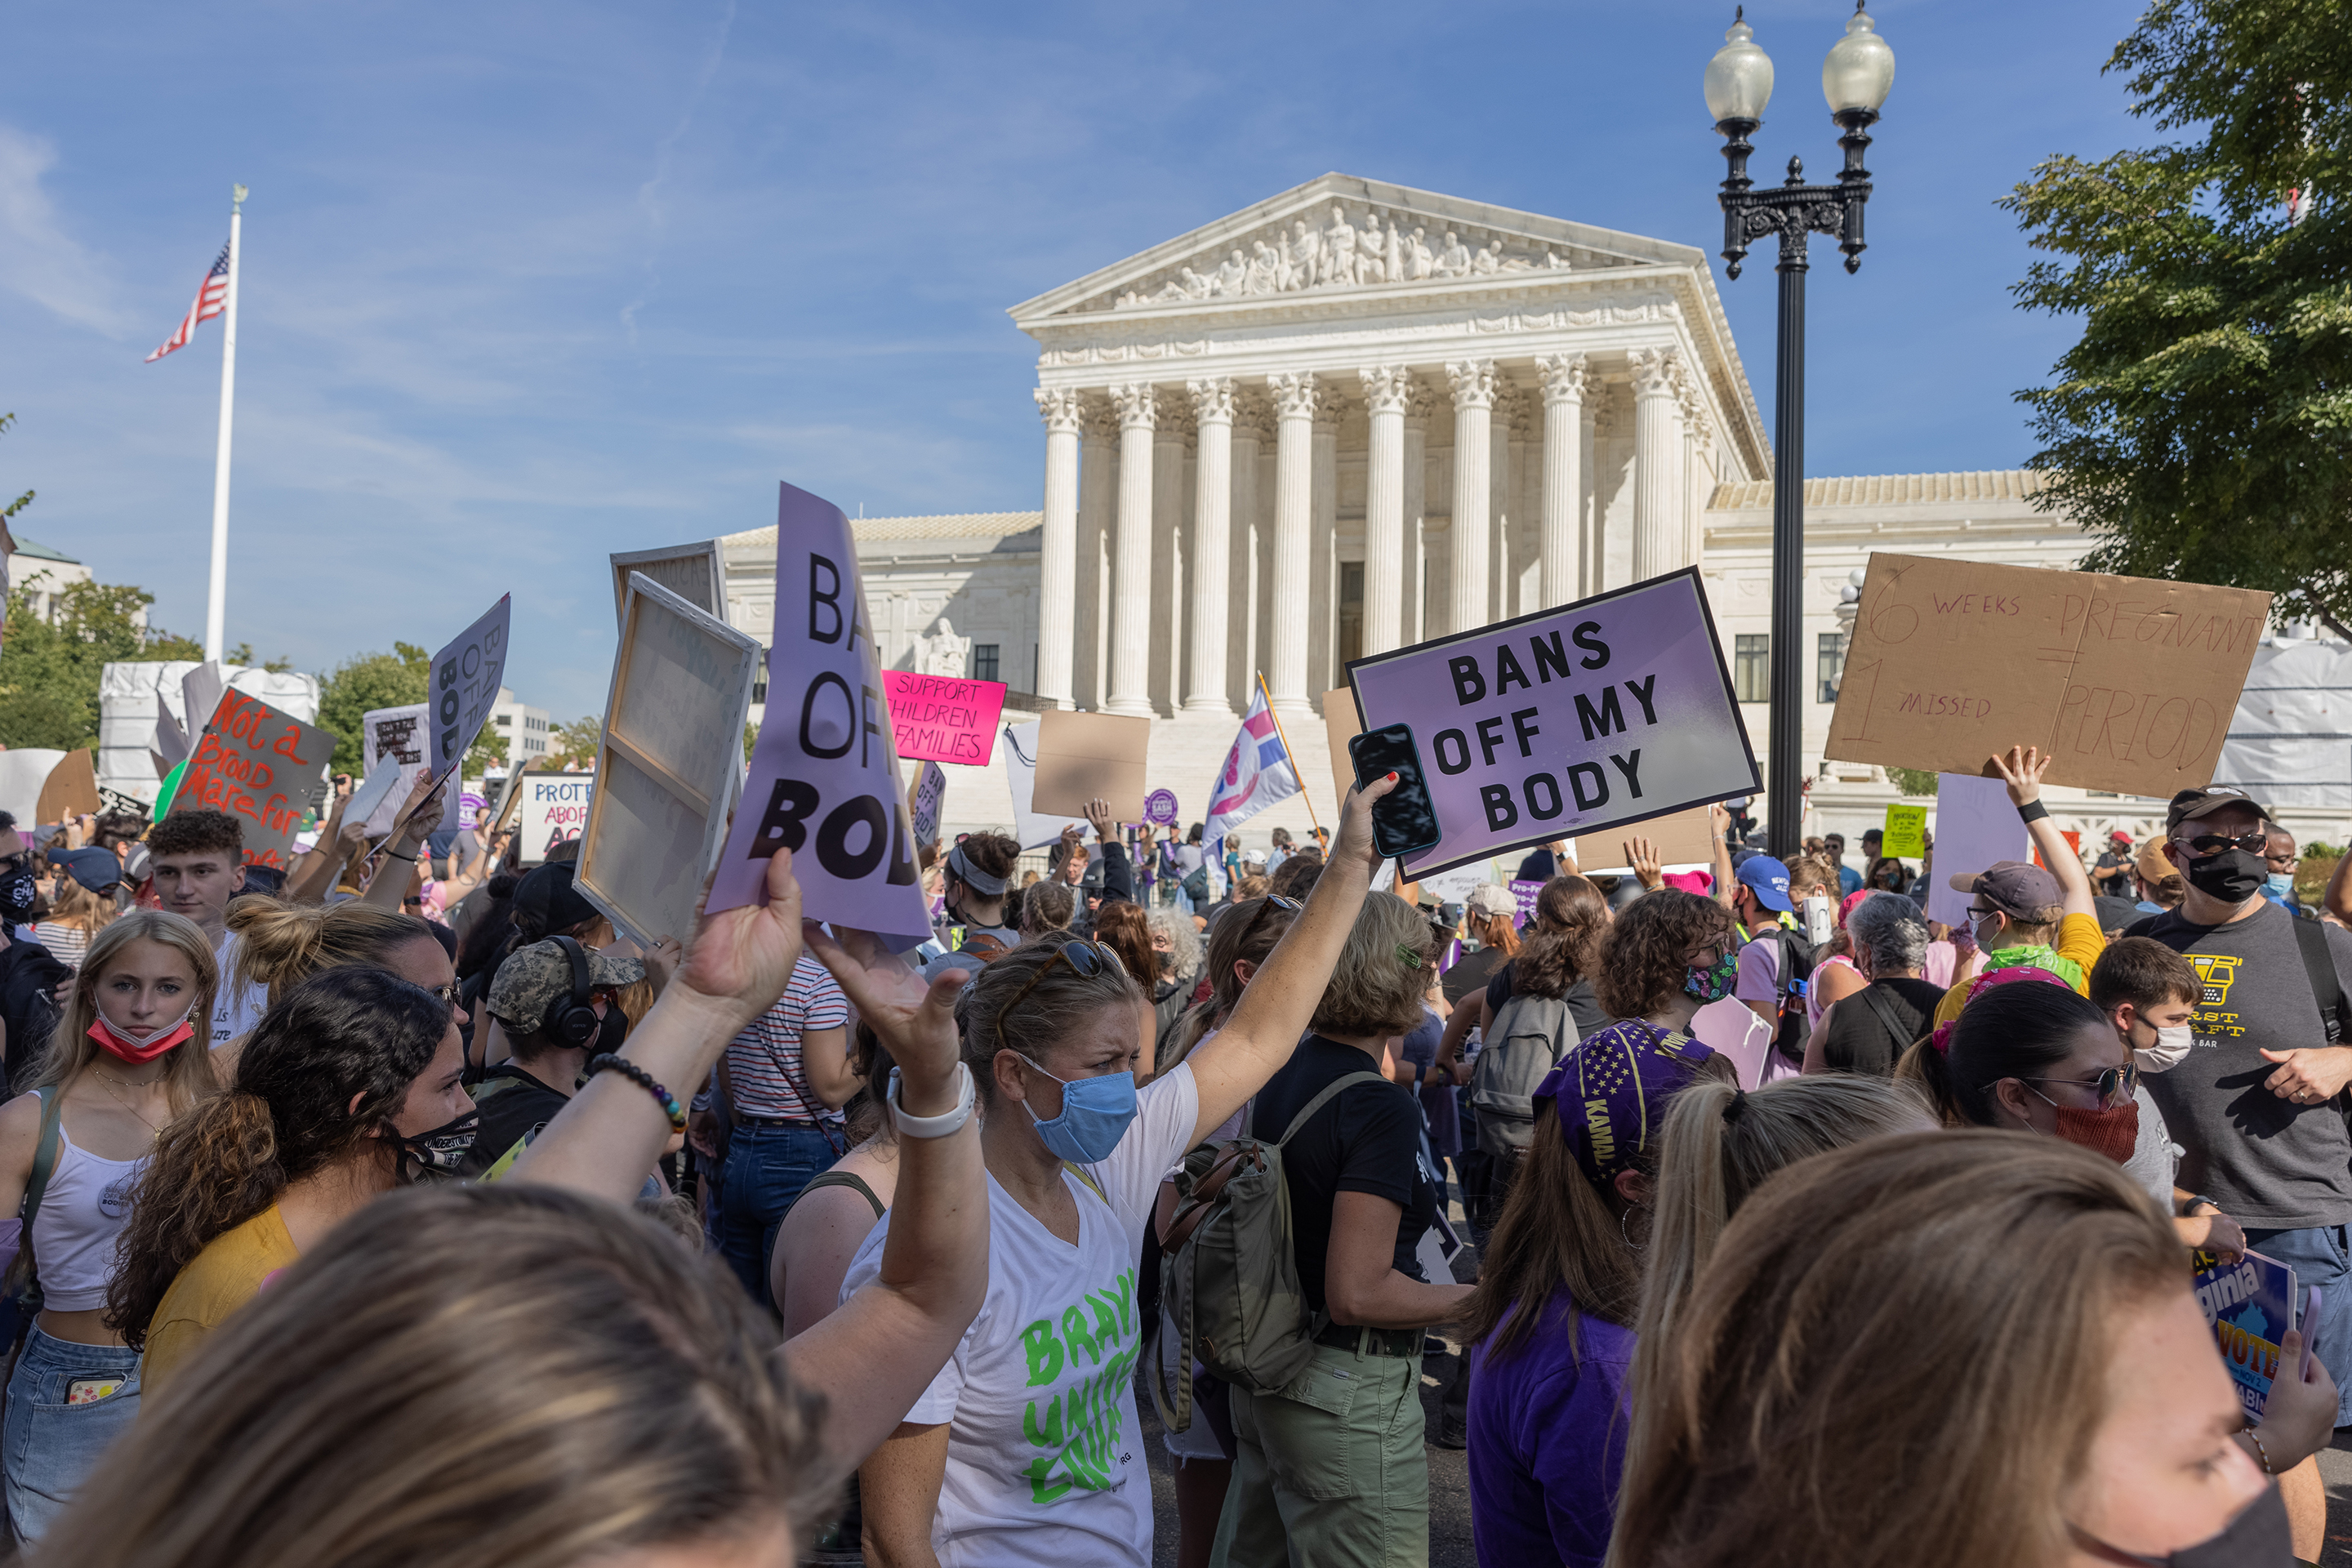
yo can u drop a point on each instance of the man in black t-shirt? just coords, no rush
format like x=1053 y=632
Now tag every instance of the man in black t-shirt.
x=2112 y=873
x=535 y=988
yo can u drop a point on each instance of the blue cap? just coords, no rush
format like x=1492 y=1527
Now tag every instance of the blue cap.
x=1769 y=880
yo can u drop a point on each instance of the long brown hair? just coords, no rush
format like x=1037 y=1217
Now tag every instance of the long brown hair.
x=1563 y=942
x=188 y=1075
x=619 y=1392
x=1244 y=933
x=1126 y=930
x=1794 y=1414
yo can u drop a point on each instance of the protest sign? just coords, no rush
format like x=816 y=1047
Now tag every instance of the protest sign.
x=509 y=795
x=696 y=573
x=71 y=790
x=1453 y=886
x=1680 y=840
x=1034 y=828
x=668 y=764
x=1613 y=710
x=551 y=809
x=378 y=793
x=200 y=693
x=1905 y=836
x=2127 y=682
x=258 y=764
x=1160 y=807
x=2250 y=1306
x=1976 y=824
x=1339 y=727
x=465 y=676
x=824 y=774
x=171 y=740
x=1082 y=756
x=398 y=735
x=924 y=800
x=941 y=720
x=1524 y=893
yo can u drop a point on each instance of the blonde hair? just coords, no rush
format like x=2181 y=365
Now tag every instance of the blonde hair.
x=77 y=906
x=620 y=1392
x=1794 y=1415
x=1376 y=986
x=283 y=944
x=188 y=1077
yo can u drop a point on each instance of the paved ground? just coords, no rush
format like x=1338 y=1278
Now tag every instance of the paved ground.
x=2336 y=1465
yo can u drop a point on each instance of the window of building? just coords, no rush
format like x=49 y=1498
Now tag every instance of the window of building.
x=1751 y=667
x=1351 y=610
x=503 y=720
x=1829 y=664
x=760 y=689
x=983 y=661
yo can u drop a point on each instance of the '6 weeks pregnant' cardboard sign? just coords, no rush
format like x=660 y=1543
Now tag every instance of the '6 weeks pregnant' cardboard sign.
x=2127 y=682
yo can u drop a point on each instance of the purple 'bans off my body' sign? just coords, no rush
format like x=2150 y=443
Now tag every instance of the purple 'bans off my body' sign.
x=1573 y=721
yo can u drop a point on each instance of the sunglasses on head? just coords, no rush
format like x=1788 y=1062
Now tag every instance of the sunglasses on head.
x=2205 y=844
x=1271 y=902
x=1086 y=955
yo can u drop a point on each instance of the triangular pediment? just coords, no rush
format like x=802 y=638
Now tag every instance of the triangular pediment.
x=1296 y=244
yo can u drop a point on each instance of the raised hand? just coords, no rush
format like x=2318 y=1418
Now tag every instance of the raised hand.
x=743 y=958
x=2021 y=770
x=913 y=1017
x=1355 y=837
x=1099 y=818
x=1642 y=856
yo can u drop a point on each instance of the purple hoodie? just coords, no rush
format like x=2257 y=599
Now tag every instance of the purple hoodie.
x=1547 y=1429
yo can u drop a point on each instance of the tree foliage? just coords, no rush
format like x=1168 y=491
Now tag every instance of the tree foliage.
x=2201 y=428
x=49 y=670
x=573 y=743
x=361 y=685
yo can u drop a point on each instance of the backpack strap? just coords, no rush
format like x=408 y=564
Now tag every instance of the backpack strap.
x=1331 y=1091
x=2326 y=988
x=1882 y=1007
x=1084 y=1175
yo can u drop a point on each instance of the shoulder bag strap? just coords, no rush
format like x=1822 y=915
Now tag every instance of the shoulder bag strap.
x=1330 y=1091
x=45 y=1163
x=2311 y=941
x=1882 y=1007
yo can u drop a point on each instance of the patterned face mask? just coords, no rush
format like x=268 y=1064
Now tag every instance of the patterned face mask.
x=1714 y=983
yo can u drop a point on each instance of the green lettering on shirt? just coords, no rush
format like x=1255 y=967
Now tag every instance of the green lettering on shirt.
x=1045 y=1352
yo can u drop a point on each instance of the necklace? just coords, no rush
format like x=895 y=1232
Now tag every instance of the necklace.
x=106 y=1084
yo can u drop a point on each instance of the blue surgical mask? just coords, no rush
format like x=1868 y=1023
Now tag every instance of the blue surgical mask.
x=1714 y=983
x=1096 y=1114
x=2280 y=885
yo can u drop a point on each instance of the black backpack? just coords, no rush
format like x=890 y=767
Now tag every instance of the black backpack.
x=1796 y=980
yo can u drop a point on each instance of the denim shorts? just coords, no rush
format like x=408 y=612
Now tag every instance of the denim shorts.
x=46 y=1445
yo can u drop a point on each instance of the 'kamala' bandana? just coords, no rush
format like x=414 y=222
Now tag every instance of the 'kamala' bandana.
x=1613 y=1090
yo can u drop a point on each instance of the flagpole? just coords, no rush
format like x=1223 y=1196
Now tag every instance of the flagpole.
x=216 y=600
x=1287 y=752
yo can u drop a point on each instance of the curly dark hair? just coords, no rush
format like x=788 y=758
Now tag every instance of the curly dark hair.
x=192 y=832
x=1564 y=942
x=1644 y=960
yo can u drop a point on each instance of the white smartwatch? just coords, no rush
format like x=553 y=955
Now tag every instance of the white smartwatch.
x=941 y=1126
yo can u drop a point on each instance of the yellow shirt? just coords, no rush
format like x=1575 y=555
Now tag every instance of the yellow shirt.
x=2079 y=938
x=226 y=1275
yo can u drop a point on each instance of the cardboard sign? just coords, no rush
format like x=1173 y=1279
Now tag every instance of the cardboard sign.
x=71 y=790
x=377 y=794
x=940 y=719
x=924 y=800
x=465 y=676
x=1034 y=828
x=668 y=764
x=824 y=774
x=1905 y=837
x=171 y=742
x=260 y=766
x=400 y=736
x=1339 y=727
x=1682 y=841
x=1575 y=720
x=2127 y=682
x=1082 y=756
x=551 y=809
x=200 y=694
x=1976 y=824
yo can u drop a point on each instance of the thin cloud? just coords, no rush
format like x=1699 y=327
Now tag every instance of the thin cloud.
x=45 y=264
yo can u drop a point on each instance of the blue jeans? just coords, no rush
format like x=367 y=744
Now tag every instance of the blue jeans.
x=2321 y=1255
x=47 y=1445
x=766 y=1169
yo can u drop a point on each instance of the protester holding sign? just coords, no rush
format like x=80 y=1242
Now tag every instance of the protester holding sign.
x=2021 y=914
x=197 y=863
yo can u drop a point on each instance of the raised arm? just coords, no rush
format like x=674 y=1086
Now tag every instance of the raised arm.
x=1119 y=878
x=2021 y=770
x=1283 y=992
x=314 y=874
x=406 y=845
x=1718 y=822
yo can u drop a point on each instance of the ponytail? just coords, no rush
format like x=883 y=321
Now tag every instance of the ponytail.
x=212 y=1169
x=1927 y=1070
x=281 y=944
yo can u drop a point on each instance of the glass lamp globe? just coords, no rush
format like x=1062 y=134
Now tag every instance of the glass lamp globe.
x=1739 y=78
x=1860 y=67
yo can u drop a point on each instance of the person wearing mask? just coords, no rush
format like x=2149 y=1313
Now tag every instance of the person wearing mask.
x=2252 y=1106
x=1849 y=879
x=127 y=1055
x=2281 y=856
x=1869 y=1030
x=1023 y=1448
x=1550 y=1325
x=2111 y=875
x=1176 y=949
x=1775 y=962
x=2107 y=1433
x=349 y=1087
x=30 y=974
x=541 y=992
x=979 y=871
x=2018 y=914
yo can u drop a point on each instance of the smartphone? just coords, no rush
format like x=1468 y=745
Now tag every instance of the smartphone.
x=2310 y=1315
x=1820 y=921
x=1404 y=821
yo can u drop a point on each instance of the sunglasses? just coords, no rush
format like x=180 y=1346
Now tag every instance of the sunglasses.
x=448 y=995
x=2113 y=1086
x=1086 y=955
x=1271 y=902
x=2205 y=844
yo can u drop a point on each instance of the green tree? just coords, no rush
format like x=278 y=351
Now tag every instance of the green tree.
x=1914 y=780
x=361 y=685
x=574 y=742
x=49 y=670
x=489 y=751
x=22 y=501
x=2201 y=428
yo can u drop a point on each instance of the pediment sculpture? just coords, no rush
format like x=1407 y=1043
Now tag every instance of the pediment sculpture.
x=1343 y=253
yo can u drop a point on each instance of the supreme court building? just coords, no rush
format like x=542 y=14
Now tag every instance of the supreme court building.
x=1356 y=415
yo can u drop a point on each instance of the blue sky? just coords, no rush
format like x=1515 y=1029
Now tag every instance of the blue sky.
x=527 y=284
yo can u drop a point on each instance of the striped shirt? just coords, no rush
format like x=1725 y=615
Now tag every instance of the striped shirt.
x=763 y=1062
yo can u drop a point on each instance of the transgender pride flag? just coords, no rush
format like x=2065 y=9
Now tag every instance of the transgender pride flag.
x=1257 y=773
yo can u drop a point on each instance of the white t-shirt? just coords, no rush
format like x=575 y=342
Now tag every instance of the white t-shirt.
x=1044 y=1460
x=240 y=1004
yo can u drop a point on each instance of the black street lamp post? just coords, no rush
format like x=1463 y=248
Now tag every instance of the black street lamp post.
x=1855 y=79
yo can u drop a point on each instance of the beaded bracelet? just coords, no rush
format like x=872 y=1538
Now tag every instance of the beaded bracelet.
x=643 y=1080
x=2265 y=1452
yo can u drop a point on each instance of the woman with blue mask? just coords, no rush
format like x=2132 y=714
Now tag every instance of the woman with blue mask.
x=1025 y=1448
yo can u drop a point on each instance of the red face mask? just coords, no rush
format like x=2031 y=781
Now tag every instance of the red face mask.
x=2112 y=1131
x=139 y=1052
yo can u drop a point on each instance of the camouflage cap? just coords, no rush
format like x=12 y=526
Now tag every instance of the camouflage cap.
x=533 y=979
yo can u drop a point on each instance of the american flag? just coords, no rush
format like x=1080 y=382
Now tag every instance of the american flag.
x=212 y=298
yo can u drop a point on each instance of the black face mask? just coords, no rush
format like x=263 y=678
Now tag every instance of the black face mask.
x=610 y=1030
x=2233 y=876
x=18 y=891
x=440 y=1151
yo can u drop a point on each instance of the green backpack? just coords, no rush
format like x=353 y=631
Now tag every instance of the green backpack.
x=1230 y=1296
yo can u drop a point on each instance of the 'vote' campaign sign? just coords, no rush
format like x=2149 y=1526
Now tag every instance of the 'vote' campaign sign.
x=1608 y=711
x=824 y=772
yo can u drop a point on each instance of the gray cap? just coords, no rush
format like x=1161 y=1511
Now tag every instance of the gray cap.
x=533 y=979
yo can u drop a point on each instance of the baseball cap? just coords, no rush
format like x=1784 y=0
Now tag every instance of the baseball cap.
x=2150 y=862
x=2017 y=889
x=2119 y=837
x=1494 y=898
x=95 y=869
x=534 y=978
x=2191 y=804
x=546 y=899
x=1769 y=880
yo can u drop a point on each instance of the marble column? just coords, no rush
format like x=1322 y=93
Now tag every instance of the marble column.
x=1252 y=420
x=1474 y=402
x=1563 y=474
x=1097 y=502
x=1657 y=463
x=1418 y=401
x=1171 y=434
x=1387 y=389
x=1131 y=564
x=1058 y=560
x=1213 y=411
x=1323 y=540
x=1297 y=402
x=1693 y=491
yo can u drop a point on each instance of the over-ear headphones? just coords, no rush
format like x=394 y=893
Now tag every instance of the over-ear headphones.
x=574 y=1020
